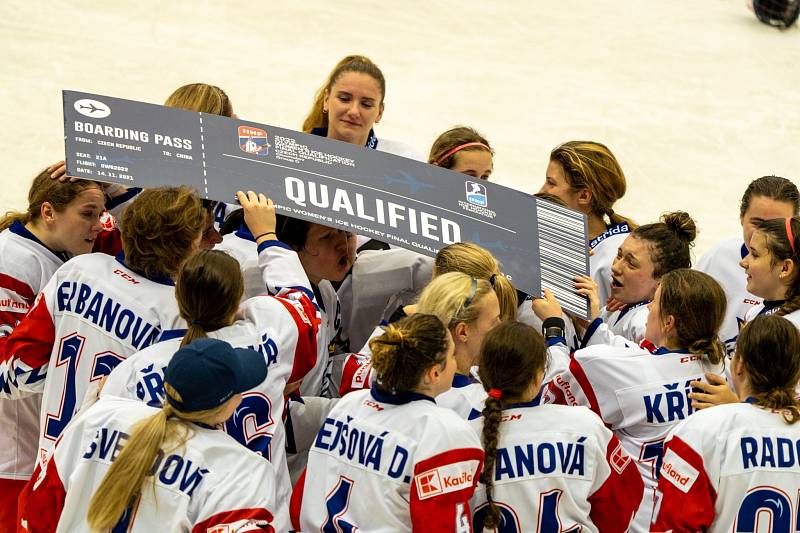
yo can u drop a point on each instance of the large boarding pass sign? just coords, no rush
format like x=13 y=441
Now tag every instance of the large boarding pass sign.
x=393 y=199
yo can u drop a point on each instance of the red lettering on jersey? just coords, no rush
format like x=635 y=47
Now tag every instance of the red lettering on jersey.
x=126 y=277
x=668 y=470
x=751 y=302
x=507 y=418
x=690 y=358
x=376 y=406
x=457 y=481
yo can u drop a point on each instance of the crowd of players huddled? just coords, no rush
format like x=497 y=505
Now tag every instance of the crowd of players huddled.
x=175 y=364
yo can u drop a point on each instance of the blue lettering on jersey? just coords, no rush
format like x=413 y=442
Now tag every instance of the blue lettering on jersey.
x=359 y=446
x=613 y=230
x=268 y=349
x=173 y=469
x=101 y=310
x=542 y=458
x=770 y=452
x=671 y=405
x=150 y=387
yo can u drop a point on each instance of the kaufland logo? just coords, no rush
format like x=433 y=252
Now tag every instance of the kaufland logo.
x=456 y=481
x=429 y=484
x=678 y=471
x=444 y=479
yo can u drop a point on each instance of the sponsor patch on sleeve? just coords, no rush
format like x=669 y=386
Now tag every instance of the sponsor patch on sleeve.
x=444 y=479
x=678 y=472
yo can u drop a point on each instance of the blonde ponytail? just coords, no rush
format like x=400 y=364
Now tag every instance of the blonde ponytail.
x=122 y=485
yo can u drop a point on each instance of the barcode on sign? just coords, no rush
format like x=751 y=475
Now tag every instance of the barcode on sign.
x=563 y=253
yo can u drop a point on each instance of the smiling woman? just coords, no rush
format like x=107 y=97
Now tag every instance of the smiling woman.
x=62 y=220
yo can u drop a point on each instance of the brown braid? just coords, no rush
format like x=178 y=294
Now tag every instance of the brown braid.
x=512 y=356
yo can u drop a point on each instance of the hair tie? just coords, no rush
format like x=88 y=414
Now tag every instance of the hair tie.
x=460 y=147
x=492 y=279
x=790 y=235
x=496 y=393
x=197 y=323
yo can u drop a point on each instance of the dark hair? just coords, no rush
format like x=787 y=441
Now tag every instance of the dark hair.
x=769 y=347
x=159 y=229
x=780 y=249
x=208 y=290
x=697 y=302
x=292 y=231
x=232 y=222
x=512 y=354
x=669 y=241
x=407 y=349
x=453 y=138
x=773 y=187
x=352 y=63
x=45 y=189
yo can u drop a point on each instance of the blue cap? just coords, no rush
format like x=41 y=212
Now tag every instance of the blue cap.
x=207 y=372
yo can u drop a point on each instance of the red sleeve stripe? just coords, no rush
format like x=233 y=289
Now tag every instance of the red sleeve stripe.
x=231 y=517
x=305 y=354
x=580 y=376
x=21 y=288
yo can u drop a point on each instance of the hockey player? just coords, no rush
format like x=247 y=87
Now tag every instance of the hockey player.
x=464 y=150
x=649 y=252
x=124 y=466
x=765 y=198
x=545 y=465
x=416 y=463
x=470 y=308
x=640 y=392
x=772 y=267
x=588 y=178
x=62 y=220
x=737 y=466
x=96 y=310
x=283 y=330
x=467 y=258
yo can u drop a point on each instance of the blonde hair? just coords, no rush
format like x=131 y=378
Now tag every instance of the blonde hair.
x=201 y=97
x=448 y=298
x=45 y=189
x=124 y=481
x=478 y=262
x=352 y=63
x=591 y=165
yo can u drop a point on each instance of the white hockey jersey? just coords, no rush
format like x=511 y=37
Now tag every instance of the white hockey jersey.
x=241 y=246
x=209 y=485
x=639 y=394
x=559 y=468
x=604 y=249
x=722 y=264
x=378 y=277
x=630 y=323
x=283 y=330
x=465 y=396
x=734 y=467
x=26 y=265
x=415 y=463
x=93 y=313
x=770 y=308
x=282 y=269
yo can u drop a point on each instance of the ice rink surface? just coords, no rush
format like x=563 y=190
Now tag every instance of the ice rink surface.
x=694 y=98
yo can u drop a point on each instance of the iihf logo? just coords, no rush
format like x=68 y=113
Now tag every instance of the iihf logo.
x=476 y=193
x=253 y=140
